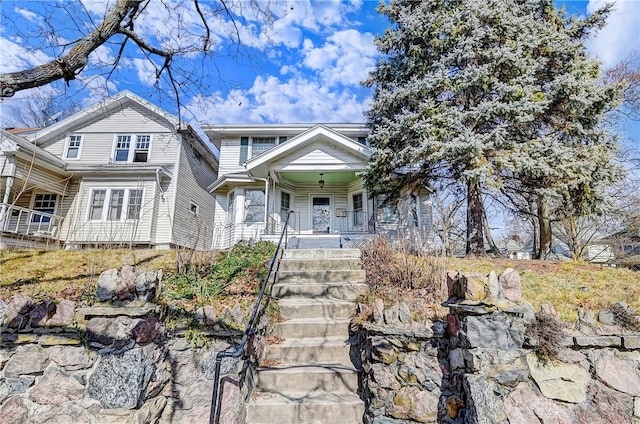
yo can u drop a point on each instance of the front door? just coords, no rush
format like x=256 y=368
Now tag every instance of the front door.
x=321 y=214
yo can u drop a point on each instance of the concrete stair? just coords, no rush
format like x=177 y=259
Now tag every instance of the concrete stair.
x=310 y=378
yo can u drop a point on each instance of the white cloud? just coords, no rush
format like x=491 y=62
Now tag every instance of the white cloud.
x=27 y=14
x=346 y=57
x=271 y=100
x=15 y=57
x=622 y=33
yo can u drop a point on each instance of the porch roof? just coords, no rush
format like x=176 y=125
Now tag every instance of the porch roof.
x=320 y=134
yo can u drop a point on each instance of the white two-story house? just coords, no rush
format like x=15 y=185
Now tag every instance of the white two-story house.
x=313 y=171
x=122 y=172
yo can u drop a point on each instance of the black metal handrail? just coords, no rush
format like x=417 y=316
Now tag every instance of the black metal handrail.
x=214 y=415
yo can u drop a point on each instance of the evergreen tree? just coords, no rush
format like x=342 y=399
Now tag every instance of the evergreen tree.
x=498 y=95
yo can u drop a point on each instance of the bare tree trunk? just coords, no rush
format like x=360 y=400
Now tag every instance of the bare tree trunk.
x=544 y=224
x=475 y=236
x=487 y=233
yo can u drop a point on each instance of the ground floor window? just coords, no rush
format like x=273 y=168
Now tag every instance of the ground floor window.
x=358 y=217
x=46 y=203
x=254 y=201
x=115 y=204
x=285 y=205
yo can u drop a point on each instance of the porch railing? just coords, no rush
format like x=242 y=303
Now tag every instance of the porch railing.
x=28 y=222
x=275 y=226
x=250 y=330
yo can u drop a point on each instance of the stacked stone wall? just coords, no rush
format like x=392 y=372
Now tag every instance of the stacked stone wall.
x=479 y=365
x=114 y=362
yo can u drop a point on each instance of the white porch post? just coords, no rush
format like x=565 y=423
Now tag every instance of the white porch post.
x=5 y=203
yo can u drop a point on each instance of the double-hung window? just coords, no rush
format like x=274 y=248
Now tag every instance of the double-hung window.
x=358 y=217
x=45 y=203
x=115 y=204
x=73 y=147
x=141 y=154
x=254 y=205
x=285 y=205
x=130 y=148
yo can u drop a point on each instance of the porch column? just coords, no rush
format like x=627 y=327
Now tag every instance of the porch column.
x=5 y=203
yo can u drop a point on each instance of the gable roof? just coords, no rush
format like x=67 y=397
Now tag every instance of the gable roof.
x=118 y=102
x=104 y=107
x=11 y=143
x=314 y=134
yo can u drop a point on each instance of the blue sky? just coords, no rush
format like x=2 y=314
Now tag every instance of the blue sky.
x=307 y=67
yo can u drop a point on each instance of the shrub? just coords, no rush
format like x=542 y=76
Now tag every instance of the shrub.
x=547 y=333
x=399 y=265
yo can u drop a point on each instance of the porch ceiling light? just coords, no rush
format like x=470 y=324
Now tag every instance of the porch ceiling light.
x=321 y=182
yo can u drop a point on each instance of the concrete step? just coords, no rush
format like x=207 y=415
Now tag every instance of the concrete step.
x=306 y=378
x=307 y=408
x=311 y=327
x=321 y=276
x=345 y=291
x=294 y=308
x=310 y=350
x=307 y=264
x=321 y=253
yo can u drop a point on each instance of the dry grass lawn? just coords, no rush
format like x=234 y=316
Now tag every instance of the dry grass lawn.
x=46 y=274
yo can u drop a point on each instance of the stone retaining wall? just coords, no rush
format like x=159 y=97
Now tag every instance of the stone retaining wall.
x=112 y=363
x=478 y=366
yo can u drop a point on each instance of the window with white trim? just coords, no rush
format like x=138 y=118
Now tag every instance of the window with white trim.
x=45 y=203
x=254 y=205
x=131 y=148
x=358 y=216
x=285 y=205
x=73 y=147
x=231 y=212
x=260 y=145
x=194 y=208
x=115 y=204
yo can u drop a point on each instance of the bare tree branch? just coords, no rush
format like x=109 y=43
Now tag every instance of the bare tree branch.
x=68 y=66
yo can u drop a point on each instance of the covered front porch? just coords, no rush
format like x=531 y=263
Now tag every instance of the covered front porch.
x=33 y=186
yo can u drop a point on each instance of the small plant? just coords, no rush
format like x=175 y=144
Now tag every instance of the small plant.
x=625 y=317
x=548 y=333
x=196 y=338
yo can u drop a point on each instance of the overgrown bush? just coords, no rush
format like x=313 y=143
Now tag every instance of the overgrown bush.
x=400 y=265
x=546 y=333
x=237 y=271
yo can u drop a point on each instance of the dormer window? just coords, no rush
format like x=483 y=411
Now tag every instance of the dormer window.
x=131 y=148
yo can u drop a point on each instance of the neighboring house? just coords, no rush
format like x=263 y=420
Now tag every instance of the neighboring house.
x=122 y=172
x=267 y=171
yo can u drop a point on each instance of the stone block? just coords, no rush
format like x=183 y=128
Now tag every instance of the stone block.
x=107 y=285
x=618 y=373
x=27 y=360
x=524 y=406
x=598 y=341
x=56 y=388
x=631 y=342
x=560 y=381
x=496 y=330
x=473 y=286
x=120 y=381
x=483 y=401
x=511 y=285
x=65 y=312
x=636 y=407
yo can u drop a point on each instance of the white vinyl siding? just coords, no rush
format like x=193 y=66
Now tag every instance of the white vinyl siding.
x=193 y=177
x=98 y=141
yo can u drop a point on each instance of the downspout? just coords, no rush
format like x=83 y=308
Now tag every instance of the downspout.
x=158 y=182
